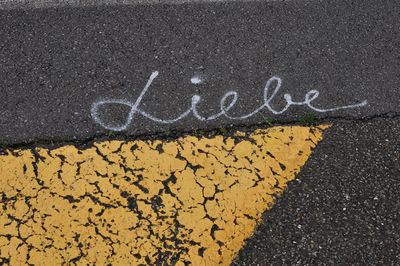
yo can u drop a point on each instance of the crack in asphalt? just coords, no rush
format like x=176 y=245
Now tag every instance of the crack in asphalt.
x=173 y=134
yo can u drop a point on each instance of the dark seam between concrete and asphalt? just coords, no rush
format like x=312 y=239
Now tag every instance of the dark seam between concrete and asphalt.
x=312 y=120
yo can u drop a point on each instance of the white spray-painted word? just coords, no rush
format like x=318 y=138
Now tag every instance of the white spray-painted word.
x=225 y=105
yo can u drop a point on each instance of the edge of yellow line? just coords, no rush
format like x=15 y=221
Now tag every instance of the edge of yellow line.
x=191 y=199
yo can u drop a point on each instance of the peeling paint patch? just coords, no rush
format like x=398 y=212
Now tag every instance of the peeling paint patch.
x=188 y=201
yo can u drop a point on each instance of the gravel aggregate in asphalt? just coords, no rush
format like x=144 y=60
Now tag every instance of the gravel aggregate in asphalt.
x=55 y=63
x=344 y=208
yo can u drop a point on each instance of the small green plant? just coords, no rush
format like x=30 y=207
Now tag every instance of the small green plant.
x=111 y=134
x=168 y=133
x=308 y=119
x=222 y=130
x=269 y=122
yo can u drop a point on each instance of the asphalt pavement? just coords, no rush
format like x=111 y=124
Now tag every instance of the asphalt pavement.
x=344 y=208
x=56 y=63
x=77 y=74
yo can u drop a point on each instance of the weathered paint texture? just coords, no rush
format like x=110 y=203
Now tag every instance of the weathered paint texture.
x=193 y=200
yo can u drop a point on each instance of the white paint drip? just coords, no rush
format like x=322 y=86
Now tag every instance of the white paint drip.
x=226 y=103
x=197 y=79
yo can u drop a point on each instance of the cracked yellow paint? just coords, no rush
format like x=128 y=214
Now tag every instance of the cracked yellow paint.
x=188 y=201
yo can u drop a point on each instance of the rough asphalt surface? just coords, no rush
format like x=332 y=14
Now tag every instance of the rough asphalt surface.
x=345 y=207
x=55 y=63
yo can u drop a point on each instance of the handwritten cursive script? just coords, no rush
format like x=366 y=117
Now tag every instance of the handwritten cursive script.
x=226 y=103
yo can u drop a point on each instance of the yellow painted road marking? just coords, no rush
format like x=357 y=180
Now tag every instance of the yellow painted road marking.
x=189 y=201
